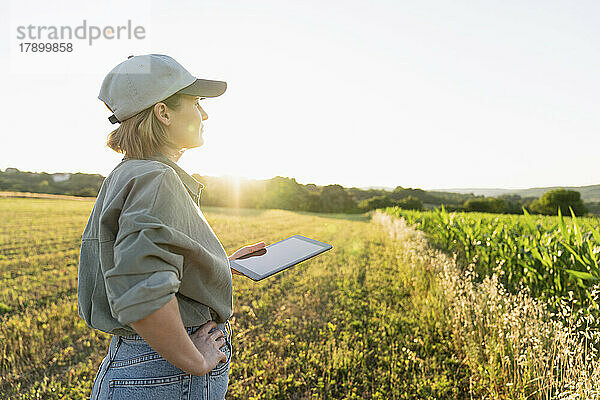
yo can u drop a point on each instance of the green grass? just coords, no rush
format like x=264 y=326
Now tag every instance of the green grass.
x=359 y=321
x=515 y=346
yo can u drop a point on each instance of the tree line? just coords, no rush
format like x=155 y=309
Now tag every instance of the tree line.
x=286 y=193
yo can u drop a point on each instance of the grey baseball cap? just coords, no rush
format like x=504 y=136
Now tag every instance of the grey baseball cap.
x=142 y=81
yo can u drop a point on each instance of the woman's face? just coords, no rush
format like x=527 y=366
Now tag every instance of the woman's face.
x=186 y=126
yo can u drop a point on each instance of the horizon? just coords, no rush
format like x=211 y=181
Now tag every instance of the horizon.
x=364 y=187
x=431 y=95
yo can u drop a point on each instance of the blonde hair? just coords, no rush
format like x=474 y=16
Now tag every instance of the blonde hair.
x=143 y=135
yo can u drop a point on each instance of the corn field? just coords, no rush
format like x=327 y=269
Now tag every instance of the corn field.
x=554 y=257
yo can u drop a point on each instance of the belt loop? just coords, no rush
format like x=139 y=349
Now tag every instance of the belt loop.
x=228 y=325
x=119 y=340
x=230 y=337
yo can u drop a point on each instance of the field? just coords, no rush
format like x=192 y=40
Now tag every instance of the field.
x=554 y=257
x=465 y=306
x=364 y=320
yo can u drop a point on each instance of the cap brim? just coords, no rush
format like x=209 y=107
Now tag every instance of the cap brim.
x=205 y=88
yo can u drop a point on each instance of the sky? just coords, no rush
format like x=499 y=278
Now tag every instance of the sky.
x=422 y=94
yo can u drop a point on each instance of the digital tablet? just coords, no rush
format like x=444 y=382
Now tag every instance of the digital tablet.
x=278 y=256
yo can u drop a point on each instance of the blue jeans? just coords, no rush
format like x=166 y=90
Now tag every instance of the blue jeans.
x=132 y=370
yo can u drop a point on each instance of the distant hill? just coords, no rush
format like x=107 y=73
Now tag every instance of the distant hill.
x=386 y=188
x=588 y=193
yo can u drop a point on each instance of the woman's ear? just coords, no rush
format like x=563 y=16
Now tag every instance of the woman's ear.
x=162 y=113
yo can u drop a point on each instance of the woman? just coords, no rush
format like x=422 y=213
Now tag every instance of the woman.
x=151 y=270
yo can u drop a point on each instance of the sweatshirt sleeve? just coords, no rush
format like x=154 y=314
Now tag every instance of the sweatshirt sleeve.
x=147 y=268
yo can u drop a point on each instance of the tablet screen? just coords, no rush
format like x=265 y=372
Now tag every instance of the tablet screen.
x=279 y=254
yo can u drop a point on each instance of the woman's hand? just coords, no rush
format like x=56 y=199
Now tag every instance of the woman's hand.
x=195 y=354
x=208 y=344
x=244 y=251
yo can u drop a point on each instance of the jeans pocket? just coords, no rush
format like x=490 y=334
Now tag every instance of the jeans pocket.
x=166 y=387
x=132 y=361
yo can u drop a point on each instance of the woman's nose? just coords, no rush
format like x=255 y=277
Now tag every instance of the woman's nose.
x=203 y=113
